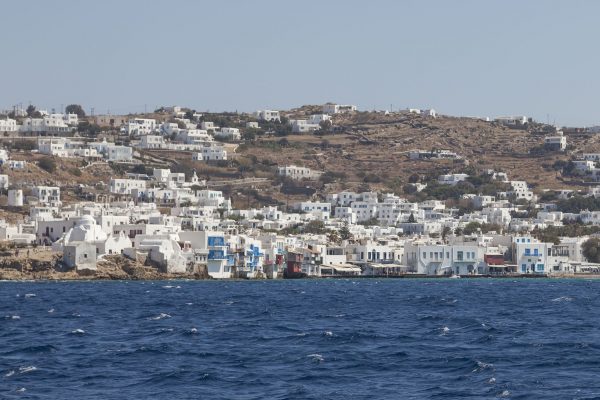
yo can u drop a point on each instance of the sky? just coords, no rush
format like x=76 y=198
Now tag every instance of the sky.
x=464 y=58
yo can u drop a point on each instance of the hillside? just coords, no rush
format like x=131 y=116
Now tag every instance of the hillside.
x=372 y=151
x=363 y=151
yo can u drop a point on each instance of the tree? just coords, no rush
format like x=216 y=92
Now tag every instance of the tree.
x=591 y=250
x=75 y=109
x=333 y=236
x=316 y=227
x=47 y=164
x=411 y=219
x=472 y=227
x=87 y=129
x=445 y=232
x=324 y=128
x=30 y=110
x=414 y=178
x=249 y=135
x=345 y=232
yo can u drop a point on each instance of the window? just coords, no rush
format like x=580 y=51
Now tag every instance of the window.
x=539 y=268
x=459 y=255
x=424 y=254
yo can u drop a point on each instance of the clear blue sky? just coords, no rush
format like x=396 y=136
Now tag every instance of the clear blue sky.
x=476 y=58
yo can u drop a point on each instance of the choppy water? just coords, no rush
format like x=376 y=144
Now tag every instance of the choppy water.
x=327 y=339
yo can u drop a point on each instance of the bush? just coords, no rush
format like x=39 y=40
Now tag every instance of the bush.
x=47 y=164
x=26 y=145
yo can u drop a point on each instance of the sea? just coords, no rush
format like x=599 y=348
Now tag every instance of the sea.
x=301 y=339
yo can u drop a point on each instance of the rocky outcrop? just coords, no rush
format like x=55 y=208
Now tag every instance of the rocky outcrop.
x=114 y=267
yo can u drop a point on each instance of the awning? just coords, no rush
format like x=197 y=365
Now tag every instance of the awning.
x=343 y=268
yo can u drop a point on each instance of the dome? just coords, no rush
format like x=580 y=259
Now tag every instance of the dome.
x=86 y=230
x=86 y=220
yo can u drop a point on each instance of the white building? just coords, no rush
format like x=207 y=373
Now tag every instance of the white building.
x=47 y=195
x=294 y=172
x=15 y=198
x=140 y=126
x=4 y=181
x=208 y=126
x=312 y=206
x=125 y=186
x=556 y=143
x=303 y=126
x=228 y=133
x=438 y=259
x=8 y=125
x=331 y=108
x=210 y=153
x=520 y=190
x=267 y=115
x=151 y=142
x=119 y=153
x=452 y=179
x=194 y=136
x=53 y=123
x=511 y=121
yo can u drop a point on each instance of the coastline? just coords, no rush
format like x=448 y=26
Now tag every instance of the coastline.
x=71 y=276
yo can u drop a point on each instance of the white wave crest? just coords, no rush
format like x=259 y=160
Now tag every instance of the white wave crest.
x=316 y=357
x=563 y=298
x=161 y=316
x=482 y=365
x=24 y=370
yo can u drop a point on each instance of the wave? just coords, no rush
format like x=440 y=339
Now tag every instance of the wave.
x=160 y=316
x=482 y=366
x=25 y=370
x=562 y=299
x=48 y=348
x=315 y=357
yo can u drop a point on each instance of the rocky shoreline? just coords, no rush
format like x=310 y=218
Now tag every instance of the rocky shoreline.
x=117 y=267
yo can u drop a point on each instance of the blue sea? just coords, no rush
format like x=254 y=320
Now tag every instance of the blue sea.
x=301 y=339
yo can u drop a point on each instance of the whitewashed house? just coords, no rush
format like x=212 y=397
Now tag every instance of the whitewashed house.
x=267 y=115
x=331 y=108
x=140 y=126
x=8 y=125
x=294 y=172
